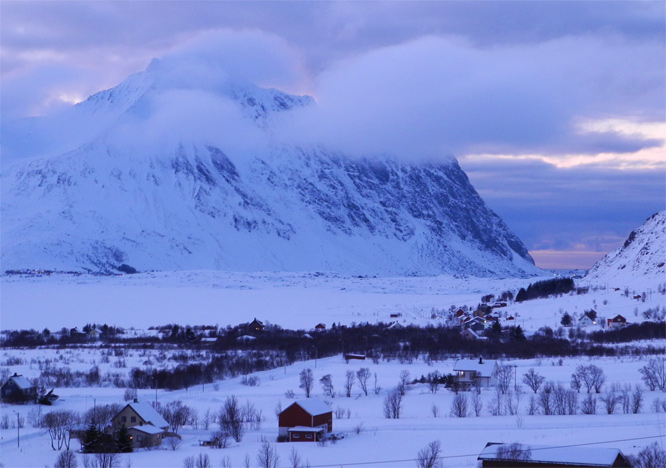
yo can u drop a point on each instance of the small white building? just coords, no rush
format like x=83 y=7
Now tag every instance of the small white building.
x=473 y=372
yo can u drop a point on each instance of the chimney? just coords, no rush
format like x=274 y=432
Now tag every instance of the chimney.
x=136 y=400
x=480 y=360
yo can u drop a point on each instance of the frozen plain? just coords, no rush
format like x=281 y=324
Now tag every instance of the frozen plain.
x=300 y=301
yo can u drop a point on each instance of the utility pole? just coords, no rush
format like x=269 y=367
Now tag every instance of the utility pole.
x=18 y=430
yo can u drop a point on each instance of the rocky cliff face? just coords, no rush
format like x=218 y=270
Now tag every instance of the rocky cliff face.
x=640 y=261
x=136 y=188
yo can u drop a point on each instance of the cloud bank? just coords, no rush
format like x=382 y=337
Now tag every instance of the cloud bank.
x=436 y=96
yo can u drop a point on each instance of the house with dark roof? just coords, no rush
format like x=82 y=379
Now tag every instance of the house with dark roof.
x=18 y=389
x=496 y=455
x=305 y=421
x=257 y=325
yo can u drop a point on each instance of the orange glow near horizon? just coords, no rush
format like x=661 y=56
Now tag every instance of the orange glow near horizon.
x=565 y=259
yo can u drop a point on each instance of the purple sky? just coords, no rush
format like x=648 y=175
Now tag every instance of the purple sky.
x=555 y=110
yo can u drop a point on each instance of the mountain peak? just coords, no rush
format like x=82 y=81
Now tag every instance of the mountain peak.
x=642 y=257
x=176 y=168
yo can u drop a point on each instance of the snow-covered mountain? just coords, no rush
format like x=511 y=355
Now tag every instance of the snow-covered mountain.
x=640 y=261
x=164 y=172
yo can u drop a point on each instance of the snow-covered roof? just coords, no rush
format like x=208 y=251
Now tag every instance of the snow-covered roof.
x=304 y=429
x=483 y=369
x=476 y=336
x=21 y=382
x=314 y=406
x=148 y=414
x=588 y=456
x=148 y=429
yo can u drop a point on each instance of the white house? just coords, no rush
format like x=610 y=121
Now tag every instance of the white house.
x=472 y=372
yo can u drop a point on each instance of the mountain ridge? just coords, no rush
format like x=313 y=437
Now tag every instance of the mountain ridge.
x=212 y=188
x=641 y=258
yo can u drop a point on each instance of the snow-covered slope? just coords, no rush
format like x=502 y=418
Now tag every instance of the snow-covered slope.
x=167 y=173
x=640 y=261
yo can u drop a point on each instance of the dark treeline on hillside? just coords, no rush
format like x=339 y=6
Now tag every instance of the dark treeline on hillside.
x=633 y=332
x=546 y=288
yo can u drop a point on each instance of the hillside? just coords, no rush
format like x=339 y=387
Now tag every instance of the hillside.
x=641 y=261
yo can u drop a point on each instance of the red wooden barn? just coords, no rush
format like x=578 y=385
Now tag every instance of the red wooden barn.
x=617 y=322
x=305 y=421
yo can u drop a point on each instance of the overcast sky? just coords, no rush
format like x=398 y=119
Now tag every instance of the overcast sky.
x=556 y=110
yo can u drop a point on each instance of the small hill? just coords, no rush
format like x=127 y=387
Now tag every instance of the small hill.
x=641 y=261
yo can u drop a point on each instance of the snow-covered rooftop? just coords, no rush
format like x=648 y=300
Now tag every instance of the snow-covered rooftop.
x=313 y=406
x=588 y=456
x=148 y=414
x=482 y=367
x=148 y=429
x=304 y=429
x=21 y=382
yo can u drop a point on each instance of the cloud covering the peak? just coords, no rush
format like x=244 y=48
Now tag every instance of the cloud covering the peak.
x=441 y=95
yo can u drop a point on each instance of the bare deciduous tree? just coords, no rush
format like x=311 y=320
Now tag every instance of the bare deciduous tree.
x=533 y=380
x=327 y=385
x=515 y=452
x=433 y=381
x=376 y=388
x=496 y=404
x=610 y=400
x=652 y=456
x=459 y=406
x=637 y=399
x=267 y=456
x=393 y=404
x=231 y=419
x=404 y=380
x=295 y=459
x=350 y=378
x=59 y=424
x=429 y=456
x=66 y=459
x=363 y=375
x=591 y=376
x=503 y=374
x=589 y=405
x=176 y=414
x=306 y=381
x=203 y=461
x=654 y=375
x=545 y=400
x=101 y=460
x=477 y=403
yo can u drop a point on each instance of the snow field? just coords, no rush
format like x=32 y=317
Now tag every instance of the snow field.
x=290 y=300
x=381 y=439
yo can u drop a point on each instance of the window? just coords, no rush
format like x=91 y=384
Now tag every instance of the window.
x=123 y=419
x=308 y=436
x=133 y=418
x=140 y=438
x=295 y=436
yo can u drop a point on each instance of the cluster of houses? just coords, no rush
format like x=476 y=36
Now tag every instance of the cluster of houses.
x=589 y=318
x=474 y=323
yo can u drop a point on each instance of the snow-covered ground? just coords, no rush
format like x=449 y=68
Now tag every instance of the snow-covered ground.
x=291 y=300
x=380 y=440
x=300 y=301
